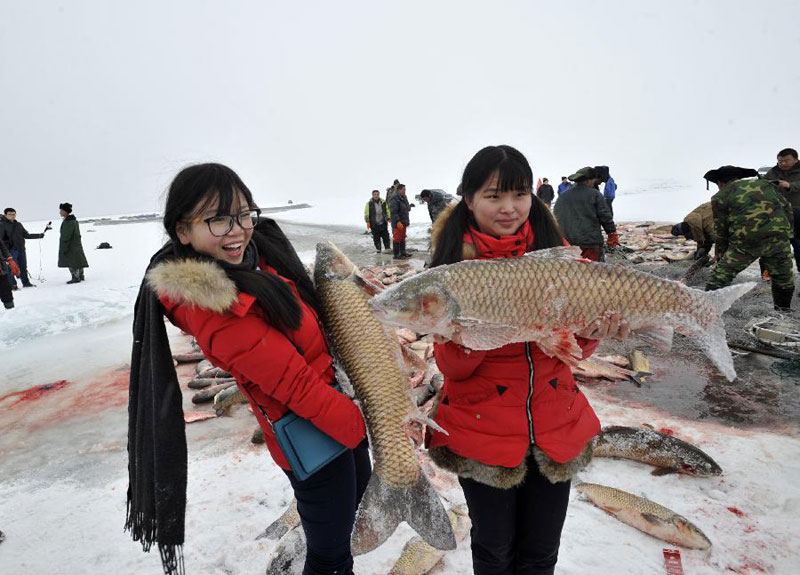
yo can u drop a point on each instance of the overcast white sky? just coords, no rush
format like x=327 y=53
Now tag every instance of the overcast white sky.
x=103 y=101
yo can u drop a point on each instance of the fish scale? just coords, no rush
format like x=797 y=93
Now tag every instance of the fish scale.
x=371 y=356
x=549 y=295
x=385 y=406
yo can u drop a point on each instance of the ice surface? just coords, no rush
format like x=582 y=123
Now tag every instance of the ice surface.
x=63 y=472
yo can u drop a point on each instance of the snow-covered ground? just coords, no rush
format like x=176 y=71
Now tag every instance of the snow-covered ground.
x=63 y=472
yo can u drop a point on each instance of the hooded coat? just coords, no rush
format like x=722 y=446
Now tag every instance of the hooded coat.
x=701 y=222
x=70 y=249
x=498 y=404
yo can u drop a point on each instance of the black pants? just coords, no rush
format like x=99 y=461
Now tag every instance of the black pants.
x=327 y=503
x=380 y=233
x=5 y=293
x=796 y=238
x=610 y=201
x=22 y=261
x=516 y=531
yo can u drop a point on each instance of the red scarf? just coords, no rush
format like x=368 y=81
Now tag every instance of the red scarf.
x=489 y=247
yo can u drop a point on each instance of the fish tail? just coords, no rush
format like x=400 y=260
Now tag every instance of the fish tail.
x=383 y=508
x=712 y=338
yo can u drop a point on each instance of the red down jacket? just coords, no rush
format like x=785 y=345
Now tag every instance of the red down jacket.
x=268 y=366
x=496 y=403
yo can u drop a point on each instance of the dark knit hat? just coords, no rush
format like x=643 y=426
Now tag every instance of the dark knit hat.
x=729 y=173
x=66 y=206
x=680 y=229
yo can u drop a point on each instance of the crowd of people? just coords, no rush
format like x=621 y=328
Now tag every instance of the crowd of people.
x=15 y=258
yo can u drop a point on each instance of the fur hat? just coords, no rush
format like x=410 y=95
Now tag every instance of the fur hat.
x=729 y=173
x=584 y=174
x=66 y=206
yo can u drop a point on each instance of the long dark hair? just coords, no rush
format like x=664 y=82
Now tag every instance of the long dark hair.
x=191 y=192
x=514 y=173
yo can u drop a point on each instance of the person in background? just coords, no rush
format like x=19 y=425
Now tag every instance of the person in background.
x=609 y=193
x=582 y=212
x=376 y=215
x=545 y=192
x=698 y=226
x=399 y=209
x=518 y=428
x=752 y=220
x=236 y=284
x=391 y=191
x=15 y=234
x=562 y=187
x=436 y=200
x=786 y=175
x=70 y=249
x=9 y=267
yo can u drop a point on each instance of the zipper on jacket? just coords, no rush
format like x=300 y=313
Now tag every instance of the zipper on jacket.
x=528 y=408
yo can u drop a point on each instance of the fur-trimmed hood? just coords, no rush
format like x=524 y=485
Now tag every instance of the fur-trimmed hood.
x=468 y=250
x=195 y=282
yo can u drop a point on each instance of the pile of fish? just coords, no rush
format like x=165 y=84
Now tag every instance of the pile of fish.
x=652 y=243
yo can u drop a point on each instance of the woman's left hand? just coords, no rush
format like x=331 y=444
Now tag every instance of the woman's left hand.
x=610 y=324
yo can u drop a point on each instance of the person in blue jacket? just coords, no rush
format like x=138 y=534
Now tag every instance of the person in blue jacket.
x=562 y=187
x=609 y=191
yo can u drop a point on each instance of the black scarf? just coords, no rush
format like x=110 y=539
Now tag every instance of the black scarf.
x=156 y=434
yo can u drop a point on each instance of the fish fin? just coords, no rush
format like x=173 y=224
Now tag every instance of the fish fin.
x=663 y=471
x=569 y=252
x=383 y=507
x=481 y=335
x=420 y=417
x=562 y=345
x=370 y=286
x=650 y=518
x=721 y=299
x=659 y=336
x=638 y=378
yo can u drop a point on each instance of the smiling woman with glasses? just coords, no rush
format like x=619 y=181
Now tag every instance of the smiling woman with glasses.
x=233 y=281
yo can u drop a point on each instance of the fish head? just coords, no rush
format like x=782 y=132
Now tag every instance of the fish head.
x=420 y=303
x=331 y=263
x=703 y=467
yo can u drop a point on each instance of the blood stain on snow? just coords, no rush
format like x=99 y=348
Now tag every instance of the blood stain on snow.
x=34 y=393
x=103 y=394
x=735 y=511
x=666 y=431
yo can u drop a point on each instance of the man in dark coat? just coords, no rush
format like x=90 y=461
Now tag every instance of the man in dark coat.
x=399 y=209
x=70 y=249
x=14 y=234
x=582 y=211
x=786 y=175
x=545 y=192
x=437 y=201
x=376 y=214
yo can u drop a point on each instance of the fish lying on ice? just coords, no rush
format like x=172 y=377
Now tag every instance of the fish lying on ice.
x=668 y=453
x=288 y=520
x=370 y=355
x=227 y=398
x=549 y=295
x=645 y=515
x=418 y=558
x=289 y=554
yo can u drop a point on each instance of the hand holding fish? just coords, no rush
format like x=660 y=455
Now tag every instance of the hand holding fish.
x=609 y=324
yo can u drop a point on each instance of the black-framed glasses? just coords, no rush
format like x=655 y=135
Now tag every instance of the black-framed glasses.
x=222 y=225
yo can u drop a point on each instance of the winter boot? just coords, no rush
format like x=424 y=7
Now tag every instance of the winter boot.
x=396 y=249
x=76 y=277
x=782 y=298
x=403 y=253
x=8 y=304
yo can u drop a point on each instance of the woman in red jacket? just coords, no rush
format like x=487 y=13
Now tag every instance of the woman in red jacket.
x=518 y=426
x=237 y=285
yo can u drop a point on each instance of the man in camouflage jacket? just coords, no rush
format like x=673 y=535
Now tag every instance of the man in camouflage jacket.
x=752 y=220
x=786 y=174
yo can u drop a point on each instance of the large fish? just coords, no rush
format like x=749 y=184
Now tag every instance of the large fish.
x=370 y=355
x=645 y=515
x=547 y=296
x=668 y=453
x=418 y=558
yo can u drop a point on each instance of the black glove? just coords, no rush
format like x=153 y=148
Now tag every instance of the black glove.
x=701 y=253
x=412 y=205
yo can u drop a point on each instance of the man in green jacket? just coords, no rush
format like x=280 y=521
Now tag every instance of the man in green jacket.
x=786 y=175
x=752 y=220
x=376 y=214
x=70 y=249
